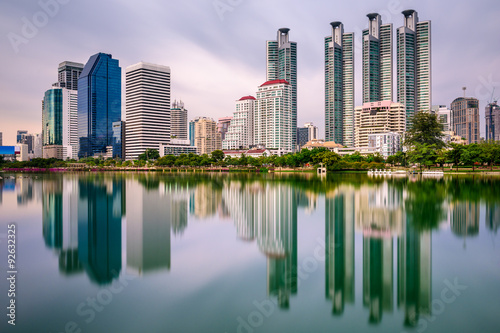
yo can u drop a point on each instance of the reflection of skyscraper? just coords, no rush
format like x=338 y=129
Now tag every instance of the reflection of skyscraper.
x=377 y=276
x=99 y=227
x=276 y=228
x=465 y=218
x=339 y=239
x=492 y=216
x=60 y=221
x=414 y=273
x=148 y=228
x=206 y=200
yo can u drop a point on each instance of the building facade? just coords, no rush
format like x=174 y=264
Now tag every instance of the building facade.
x=147 y=108
x=492 y=115
x=378 y=117
x=281 y=61
x=465 y=113
x=388 y=143
x=179 y=123
x=99 y=104
x=339 y=86
x=60 y=124
x=414 y=65
x=191 y=132
x=177 y=147
x=444 y=116
x=240 y=131
x=68 y=74
x=223 y=125
x=377 y=60
x=206 y=137
x=307 y=133
x=273 y=125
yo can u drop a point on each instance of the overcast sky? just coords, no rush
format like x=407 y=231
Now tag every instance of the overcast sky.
x=216 y=48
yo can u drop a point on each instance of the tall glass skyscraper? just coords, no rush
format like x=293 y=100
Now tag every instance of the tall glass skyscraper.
x=377 y=60
x=281 y=56
x=339 y=86
x=99 y=104
x=414 y=65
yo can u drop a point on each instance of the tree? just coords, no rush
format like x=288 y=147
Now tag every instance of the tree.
x=217 y=156
x=425 y=130
x=422 y=154
x=471 y=154
x=455 y=154
x=149 y=154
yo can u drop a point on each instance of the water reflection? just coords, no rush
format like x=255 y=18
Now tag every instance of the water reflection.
x=100 y=209
x=82 y=220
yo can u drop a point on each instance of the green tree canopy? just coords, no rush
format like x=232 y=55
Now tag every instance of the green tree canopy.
x=149 y=154
x=426 y=130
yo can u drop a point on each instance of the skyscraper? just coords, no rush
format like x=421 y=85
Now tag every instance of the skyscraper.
x=240 y=131
x=281 y=56
x=191 y=132
x=59 y=124
x=414 y=65
x=147 y=108
x=492 y=115
x=1 y=141
x=99 y=104
x=68 y=74
x=206 y=136
x=273 y=126
x=179 y=128
x=339 y=86
x=307 y=133
x=465 y=113
x=377 y=60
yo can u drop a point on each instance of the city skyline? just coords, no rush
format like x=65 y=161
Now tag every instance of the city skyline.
x=239 y=62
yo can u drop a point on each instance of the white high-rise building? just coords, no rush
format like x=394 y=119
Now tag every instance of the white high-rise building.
x=273 y=126
x=147 y=108
x=240 y=132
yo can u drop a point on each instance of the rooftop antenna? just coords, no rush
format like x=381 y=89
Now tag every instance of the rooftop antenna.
x=464 y=89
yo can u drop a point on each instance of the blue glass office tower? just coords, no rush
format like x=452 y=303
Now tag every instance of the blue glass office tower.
x=99 y=104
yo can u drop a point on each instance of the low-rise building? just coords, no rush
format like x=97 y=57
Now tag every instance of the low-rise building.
x=177 y=147
x=389 y=143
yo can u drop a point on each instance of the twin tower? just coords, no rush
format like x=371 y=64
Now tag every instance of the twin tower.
x=413 y=66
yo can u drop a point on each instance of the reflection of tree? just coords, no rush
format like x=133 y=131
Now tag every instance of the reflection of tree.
x=424 y=203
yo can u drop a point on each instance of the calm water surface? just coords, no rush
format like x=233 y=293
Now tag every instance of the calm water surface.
x=250 y=253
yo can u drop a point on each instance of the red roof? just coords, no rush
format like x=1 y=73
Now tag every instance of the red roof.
x=274 y=82
x=256 y=151
x=247 y=97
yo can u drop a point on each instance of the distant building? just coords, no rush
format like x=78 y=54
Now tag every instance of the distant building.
x=330 y=145
x=378 y=117
x=24 y=137
x=22 y=156
x=191 y=132
x=1 y=140
x=206 y=136
x=147 y=108
x=68 y=74
x=465 y=112
x=99 y=104
x=444 y=116
x=38 y=147
x=59 y=124
x=177 y=147
x=273 y=126
x=339 y=86
x=240 y=132
x=281 y=63
x=223 y=126
x=307 y=133
x=492 y=115
x=119 y=139
x=388 y=143
x=179 y=127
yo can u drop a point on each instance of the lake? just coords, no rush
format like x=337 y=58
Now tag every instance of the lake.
x=155 y=252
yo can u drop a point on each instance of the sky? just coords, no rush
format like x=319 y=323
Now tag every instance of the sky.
x=216 y=48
